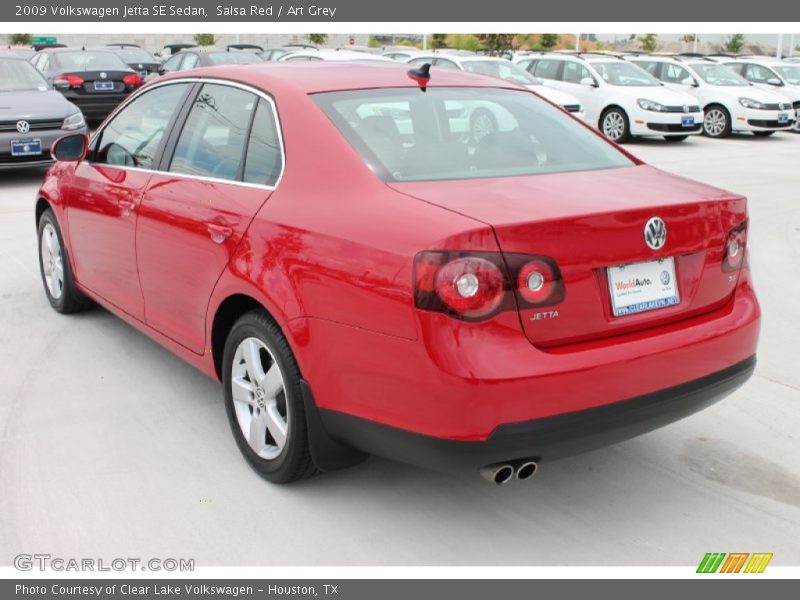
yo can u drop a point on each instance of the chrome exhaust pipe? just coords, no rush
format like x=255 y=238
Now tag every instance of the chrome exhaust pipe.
x=498 y=474
x=525 y=469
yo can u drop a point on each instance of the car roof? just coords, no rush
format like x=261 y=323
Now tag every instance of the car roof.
x=319 y=76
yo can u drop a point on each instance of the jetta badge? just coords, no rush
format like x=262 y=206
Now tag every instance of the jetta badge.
x=655 y=233
x=23 y=126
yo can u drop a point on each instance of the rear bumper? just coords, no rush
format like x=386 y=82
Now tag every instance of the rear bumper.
x=96 y=106
x=541 y=439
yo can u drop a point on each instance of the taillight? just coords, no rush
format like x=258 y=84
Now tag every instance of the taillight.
x=735 y=247
x=476 y=285
x=132 y=80
x=74 y=81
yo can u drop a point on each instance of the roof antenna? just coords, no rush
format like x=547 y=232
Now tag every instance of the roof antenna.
x=422 y=75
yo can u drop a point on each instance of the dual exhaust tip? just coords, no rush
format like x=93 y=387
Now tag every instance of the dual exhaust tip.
x=501 y=473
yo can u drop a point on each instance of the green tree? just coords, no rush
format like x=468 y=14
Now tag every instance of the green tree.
x=496 y=43
x=438 y=40
x=406 y=42
x=649 y=42
x=205 y=39
x=373 y=42
x=549 y=40
x=318 y=39
x=20 y=39
x=734 y=43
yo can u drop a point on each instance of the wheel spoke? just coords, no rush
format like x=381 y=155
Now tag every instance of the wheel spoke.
x=276 y=424
x=252 y=360
x=272 y=382
x=243 y=391
x=257 y=434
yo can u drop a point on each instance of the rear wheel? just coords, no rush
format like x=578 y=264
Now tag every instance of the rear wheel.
x=55 y=268
x=763 y=133
x=264 y=400
x=717 y=122
x=675 y=138
x=615 y=125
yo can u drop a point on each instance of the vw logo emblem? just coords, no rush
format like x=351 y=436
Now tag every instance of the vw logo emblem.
x=655 y=233
x=665 y=278
x=23 y=126
x=103 y=75
x=686 y=108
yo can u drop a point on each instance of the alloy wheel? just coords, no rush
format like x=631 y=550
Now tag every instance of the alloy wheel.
x=259 y=398
x=52 y=262
x=614 y=125
x=482 y=126
x=715 y=122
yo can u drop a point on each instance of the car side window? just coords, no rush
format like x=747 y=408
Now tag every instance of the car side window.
x=190 y=61
x=546 y=69
x=526 y=64
x=757 y=73
x=419 y=61
x=443 y=63
x=264 y=159
x=214 y=135
x=673 y=73
x=173 y=64
x=133 y=136
x=574 y=73
x=649 y=66
x=735 y=67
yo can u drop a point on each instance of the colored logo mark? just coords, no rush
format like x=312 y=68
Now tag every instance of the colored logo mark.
x=735 y=562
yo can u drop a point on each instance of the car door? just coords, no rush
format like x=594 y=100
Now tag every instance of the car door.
x=678 y=78
x=105 y=193
x=572 y=79
x=218 y=170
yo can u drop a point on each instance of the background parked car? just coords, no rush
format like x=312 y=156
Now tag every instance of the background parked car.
x=771 y=74
x=332 y=55
x=96 y=80
x=502 y=69
x=32 y=115
x=171 y=49
x=25 y=52
x=622 y=99
x=731 y=103
x=138 y=59
x=271 y=54
x=192 y=58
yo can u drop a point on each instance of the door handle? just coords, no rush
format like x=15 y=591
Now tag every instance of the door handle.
x=127 y=206
x=219 y=233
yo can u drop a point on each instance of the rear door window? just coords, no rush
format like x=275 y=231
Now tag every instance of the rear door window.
x=264 y=160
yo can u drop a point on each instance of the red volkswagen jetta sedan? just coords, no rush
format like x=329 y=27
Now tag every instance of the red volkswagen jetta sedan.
x=367 y=276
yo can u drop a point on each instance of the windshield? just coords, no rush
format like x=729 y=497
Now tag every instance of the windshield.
x=624 y=73
x=89 y=61
x=718 y=75
x=502 y=69
x=791 y=73
x=405 y=135
x=18 y=76
x=233 y=58
x=131 y=55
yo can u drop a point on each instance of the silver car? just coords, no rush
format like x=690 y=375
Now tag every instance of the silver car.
x=33 y=115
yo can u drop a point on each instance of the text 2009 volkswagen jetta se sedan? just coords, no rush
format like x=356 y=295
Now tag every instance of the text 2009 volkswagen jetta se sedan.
x=364 y=277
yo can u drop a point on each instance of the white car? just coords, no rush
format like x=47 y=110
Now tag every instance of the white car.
x=622 y=100
x=333 y=55
x=502 y=69
x=768 y=73
x=731 y=103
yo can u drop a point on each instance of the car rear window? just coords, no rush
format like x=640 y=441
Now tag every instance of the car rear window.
x=89 y=61
x=404 y=134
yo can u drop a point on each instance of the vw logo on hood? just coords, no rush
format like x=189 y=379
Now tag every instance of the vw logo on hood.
x=686 y=108
x=23 y=126
x=103 y=75
x=655 y=233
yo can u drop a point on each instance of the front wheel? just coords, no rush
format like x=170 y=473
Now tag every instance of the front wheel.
x=55 y=268
x=615 y=125
x=675 y=138
x=717 y=122
x=264 y=400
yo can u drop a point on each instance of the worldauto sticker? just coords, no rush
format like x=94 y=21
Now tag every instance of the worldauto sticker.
x=632 y=283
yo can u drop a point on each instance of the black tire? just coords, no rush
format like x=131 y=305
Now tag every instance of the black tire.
x=715 y=112
x=487 y=121
x=763 y=133
x=675 y=138
x=294 y=461
x=621 y=132
x=71 y=299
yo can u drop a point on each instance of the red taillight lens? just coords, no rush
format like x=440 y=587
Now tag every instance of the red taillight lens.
x=132 y=80
x=474 y=285
x=74 y=81
x=735 y=247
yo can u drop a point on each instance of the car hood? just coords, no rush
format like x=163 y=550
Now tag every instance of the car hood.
x=749 y=91
x=43 y=104
x=555 y=96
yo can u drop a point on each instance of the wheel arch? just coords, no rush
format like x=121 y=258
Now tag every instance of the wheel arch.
x=42 y=205
x=608 y=108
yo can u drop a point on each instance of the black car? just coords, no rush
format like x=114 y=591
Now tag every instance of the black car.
x=208 y=57
x=96 y=80
x=138 y=59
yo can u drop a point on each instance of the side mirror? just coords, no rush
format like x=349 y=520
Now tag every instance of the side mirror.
x=774 y=81
x=70 y=148
x=588 y=81
x=689 y=81
x=60 y=85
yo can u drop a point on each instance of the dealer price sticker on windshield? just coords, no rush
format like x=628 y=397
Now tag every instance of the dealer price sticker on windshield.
x=643 y=286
